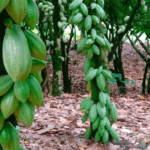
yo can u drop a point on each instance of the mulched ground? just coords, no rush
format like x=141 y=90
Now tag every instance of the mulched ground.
x=58 y=126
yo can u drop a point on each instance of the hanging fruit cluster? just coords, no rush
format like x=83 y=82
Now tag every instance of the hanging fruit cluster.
x=23 y=57
x=98 y=108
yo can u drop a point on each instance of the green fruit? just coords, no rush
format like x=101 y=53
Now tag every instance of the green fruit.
x=107 y=44
x=90 y=53
x=95 y=49
x=101 y=130
x=96 y=123
x=106 y=74
x=32 y=14
x=100 y=40
x=86 y=65
x=17 y=10
x=89 y=42
x=100 y=82
x=100 y=12
x=88 y=106
x=36 y=97
x=93 y=34
x=91 y=75
x=101 y=3
x=36 y=45
x=16 y=54
x=9 y=103
x=93 y=113
x=102 y=98
x=105 y=137
x=108 y=124
x=114 y=134
x=70 y=21
x=84 y=9
x=108 y=102
x=38 y=77
x=22 y=91
x=88 y=23
x=84 y=102
x=3 y=4
x=93 y=5
x=113 y=112
x=77 y=18
x=25 y=113
x=101 y=110
x=75 y=11
x=97 y=136
x=99 y=70
x=85 y=117
x=82 y=44
x=75 y=4
x=95 y=20
x=5 y=84
x=88 y=133
x=37 y=65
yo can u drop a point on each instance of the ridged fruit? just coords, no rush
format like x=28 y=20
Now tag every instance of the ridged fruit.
x=95 y=49
x=82 y=44
x=9 y=103
x=101 y=3
x=88 y=105
x=84 y=102
x=97 y=136
x=84 y=9
x=101 y=110
x=25 y=113
x=113 y=112
x=36 y=45
x=88 y=23
x=114 y=134
x=100 y=82
x=95 y=20
x=105 y=137
x=3 y=4
x=91 y=75
x=93 y=113
x=22 y=91
x=32 y=14
x=100 y=12
x=102 y=98
x=100 y=40
x=93 y=34
x=77 y=18
x=38 y=76
x=106 y=74
x=96 y=123
x=16 y=54
x=88 y=133
x=99 y=70
x=85 y=117
x=37 y=65
x=5 y=84
x=17 y=10
x=75 y=4
x=36 y=97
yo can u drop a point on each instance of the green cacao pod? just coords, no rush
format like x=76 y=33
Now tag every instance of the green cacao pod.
x=5 y=84
x=84 y=102
x=101 y=3
x=100 y=82
x=10 y=102
x=100 y=12
x=93 y=34
x=88 y=133
x=91 y=75
x=88 y=23
x=32 y=14
x=88 y=106
x=77 y=18
x=106 y=74
x=108 y=124
x=93 y=113
x=17 y=10
x=114 y=134
x=90 y=53
x=25 y=113
x=36 y=97
x=84 y=9
x=36 y=45
x=97 y=136
x=99 y=70
x=22 y=91
x=95 y=20
x=85 y=117
x=37 y=65
x=113 y=112
x=93 y=5
x=16 y=54
x=96 y=123
x=102 y=98
x=105 y=137
x=75 y=4
x=108 y=101
x=82 y=44
x=75 y=11
x=101 y=130
x=107 y=44
x=100 y=40
x=86 y=65
x=38 y=77
x=3 y=4
x=101 y=110
x=95 y=49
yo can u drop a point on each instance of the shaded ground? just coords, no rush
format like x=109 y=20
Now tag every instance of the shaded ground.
x=58 y=125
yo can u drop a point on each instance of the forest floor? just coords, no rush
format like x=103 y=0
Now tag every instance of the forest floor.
x=58 y=126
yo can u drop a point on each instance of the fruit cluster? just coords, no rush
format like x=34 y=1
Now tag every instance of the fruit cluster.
x=24 y=56
x=98 y=109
